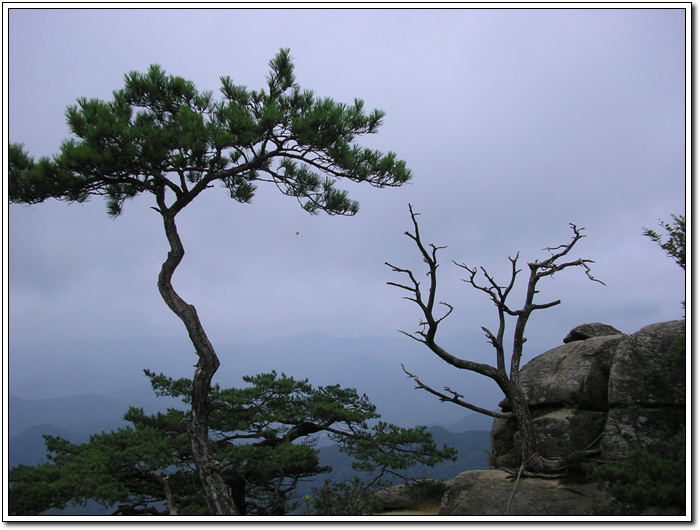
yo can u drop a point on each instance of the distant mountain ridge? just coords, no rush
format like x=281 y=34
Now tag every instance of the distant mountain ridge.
x=77 y=417
x=73 y=417
x=28 y=447
x=67 y=412
x=93 y=391
x=470 y=422
x=372 y=365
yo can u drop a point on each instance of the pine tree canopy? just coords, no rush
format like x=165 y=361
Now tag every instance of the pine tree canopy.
x=160 y=134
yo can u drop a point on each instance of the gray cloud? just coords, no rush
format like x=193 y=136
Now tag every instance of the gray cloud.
x=515 y=123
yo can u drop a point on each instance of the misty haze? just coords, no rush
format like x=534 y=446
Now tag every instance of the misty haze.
x=503 y=128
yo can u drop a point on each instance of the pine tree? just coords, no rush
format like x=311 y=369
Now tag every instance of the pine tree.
x=162 y=136
x=263 y=436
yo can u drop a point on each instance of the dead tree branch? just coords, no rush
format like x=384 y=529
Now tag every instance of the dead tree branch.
x=425 y=298
x=455 y=398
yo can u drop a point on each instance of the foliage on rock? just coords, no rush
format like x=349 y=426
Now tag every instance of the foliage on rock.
x=653 y=478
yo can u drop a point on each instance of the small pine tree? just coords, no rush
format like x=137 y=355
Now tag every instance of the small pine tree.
x=649 y=478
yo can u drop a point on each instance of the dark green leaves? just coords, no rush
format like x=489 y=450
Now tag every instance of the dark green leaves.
x=166 y=386
x=161 y=95
x=320 y=193
x=37 y=489
x=110 y=468
x=33 y=181
x=389 y=448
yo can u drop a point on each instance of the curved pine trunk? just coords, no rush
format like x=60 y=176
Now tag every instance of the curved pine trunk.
x=218 y=497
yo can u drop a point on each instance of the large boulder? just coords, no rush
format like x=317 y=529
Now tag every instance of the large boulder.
x=646 y=391
x=567 y=390
x=573 y=374
x=641 y=374
x=588 y=331
x=491 y=492
x=610 y=391
x=601 y=390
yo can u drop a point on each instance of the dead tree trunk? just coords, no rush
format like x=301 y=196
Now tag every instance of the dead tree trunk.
x=523 y=418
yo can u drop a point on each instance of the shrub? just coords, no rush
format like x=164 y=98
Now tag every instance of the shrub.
x=649 y=478
x=346 y=498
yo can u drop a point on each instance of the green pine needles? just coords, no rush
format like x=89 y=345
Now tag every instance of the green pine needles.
x=675 y=244
x=263 y=436
x=648 y=479
x=159 y=132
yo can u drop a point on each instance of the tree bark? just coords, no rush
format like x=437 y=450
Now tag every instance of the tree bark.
x=521 y=413
x=169 y=500
x=218 y=497
x=238 y=490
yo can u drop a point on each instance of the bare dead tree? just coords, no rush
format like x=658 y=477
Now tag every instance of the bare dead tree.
x=507 y=380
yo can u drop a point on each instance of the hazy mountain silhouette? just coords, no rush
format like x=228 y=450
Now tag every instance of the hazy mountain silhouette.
x=372 y=365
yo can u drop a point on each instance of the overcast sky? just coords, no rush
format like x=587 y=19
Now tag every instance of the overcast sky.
x=515 y=123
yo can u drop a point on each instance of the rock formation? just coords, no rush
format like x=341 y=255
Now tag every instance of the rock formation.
x=491 y=492
x=606 y=391
x=602 y=393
